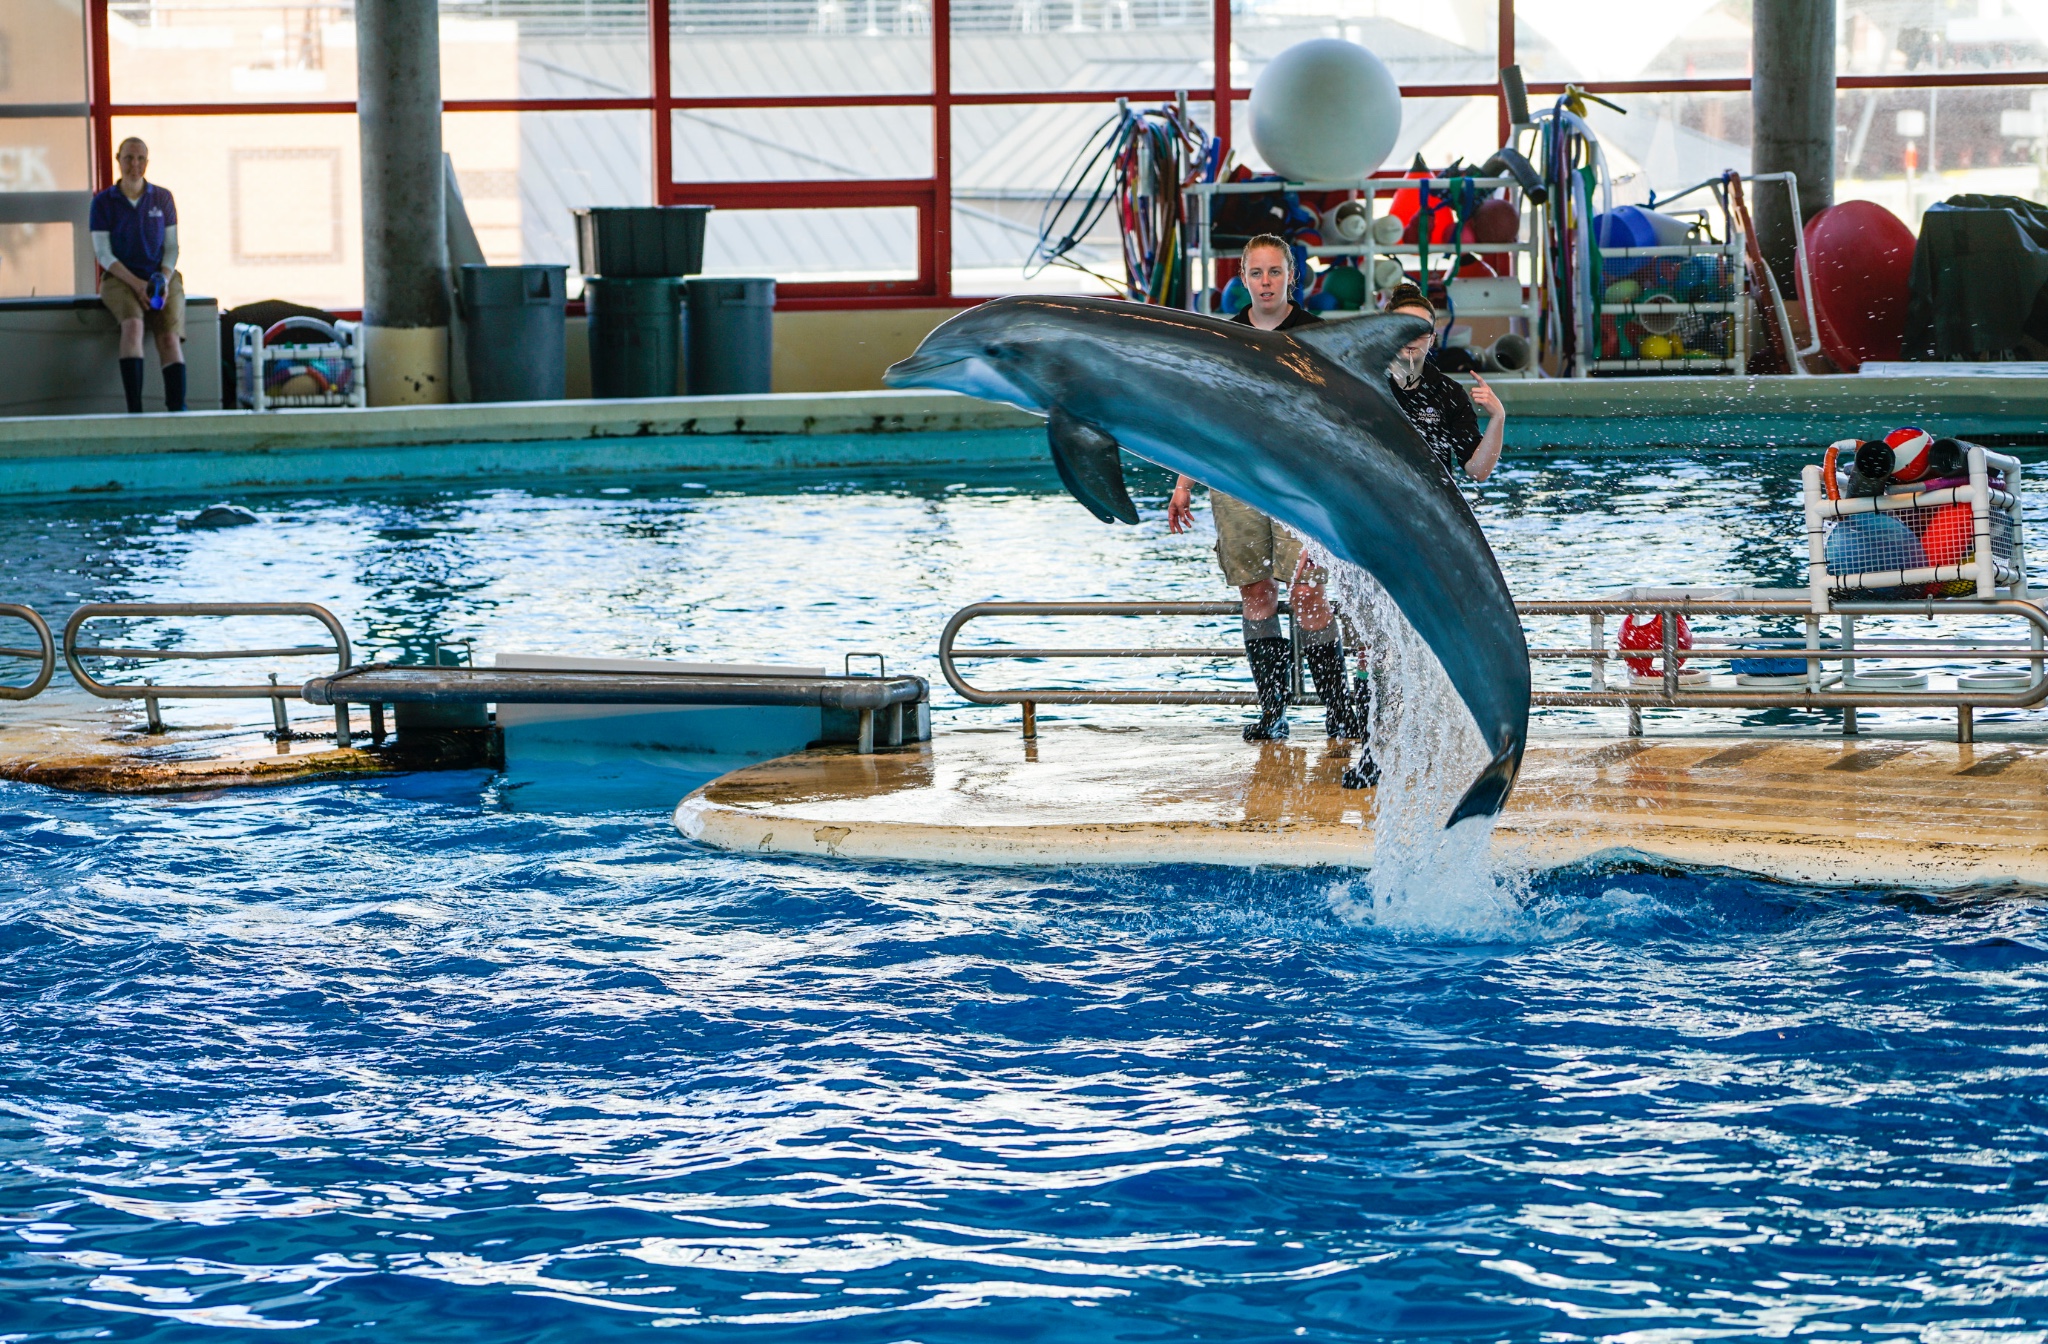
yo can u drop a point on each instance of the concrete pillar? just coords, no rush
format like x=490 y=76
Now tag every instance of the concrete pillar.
x=1792 y=99
x=405 y=240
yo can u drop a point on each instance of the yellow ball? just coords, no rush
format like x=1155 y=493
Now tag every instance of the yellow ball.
x=1658 y=347
x=1623 y=291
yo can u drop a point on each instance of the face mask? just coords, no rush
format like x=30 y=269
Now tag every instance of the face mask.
x=1408 y=368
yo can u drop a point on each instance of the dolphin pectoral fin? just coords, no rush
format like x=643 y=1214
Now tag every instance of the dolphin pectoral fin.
x=1490 y=791
x=1366 y=345
x=1090 y=467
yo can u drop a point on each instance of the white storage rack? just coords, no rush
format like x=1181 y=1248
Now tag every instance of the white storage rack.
x=1367 y=190
x=254 y=359
x=1996 y=566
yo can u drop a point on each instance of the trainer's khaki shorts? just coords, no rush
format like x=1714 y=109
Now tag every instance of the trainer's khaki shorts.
x=1252 y=547
x=124 y=303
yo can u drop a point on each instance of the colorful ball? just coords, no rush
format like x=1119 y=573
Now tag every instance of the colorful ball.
x=1909 y=447
x=1951 y=535
x=1864 y=543
x=1639 y=632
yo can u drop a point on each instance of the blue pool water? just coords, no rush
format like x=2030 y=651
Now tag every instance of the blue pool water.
x=384 y=1061
x=401 y=1060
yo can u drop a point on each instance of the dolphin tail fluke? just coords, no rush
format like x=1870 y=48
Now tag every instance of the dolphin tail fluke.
x=1490 y=791
x=1090 y=467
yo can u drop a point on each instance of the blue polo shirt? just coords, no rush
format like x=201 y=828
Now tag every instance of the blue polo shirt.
x=135 y=228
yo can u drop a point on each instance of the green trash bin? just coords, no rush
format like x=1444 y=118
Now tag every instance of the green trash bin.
x=635 y=331
x=732 y=335
x=514 y=332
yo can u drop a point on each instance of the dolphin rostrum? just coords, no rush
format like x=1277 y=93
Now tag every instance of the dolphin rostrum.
x=1299 y=424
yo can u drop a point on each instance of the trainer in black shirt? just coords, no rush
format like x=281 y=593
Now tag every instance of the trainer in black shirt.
x=1445 y=413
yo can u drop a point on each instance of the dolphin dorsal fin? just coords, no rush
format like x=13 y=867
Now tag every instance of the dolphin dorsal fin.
x=1363 y=345
x=1090 y=467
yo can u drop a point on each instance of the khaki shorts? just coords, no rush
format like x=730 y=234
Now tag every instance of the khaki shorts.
x=1252 y=547
x=125 y=304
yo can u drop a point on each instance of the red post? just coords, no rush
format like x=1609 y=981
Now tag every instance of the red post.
x=662 y=99
x=1221 y=55
x=1504 y=56
x=100 y=95
x=936 y=261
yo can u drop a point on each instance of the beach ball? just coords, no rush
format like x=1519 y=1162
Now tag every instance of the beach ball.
x=1647 y=632
x=1236 y=298
x=1325 y=110
x=1909 y=452
x=1866 y=542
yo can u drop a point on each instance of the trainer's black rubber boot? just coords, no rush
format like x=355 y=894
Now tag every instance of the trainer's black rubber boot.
x=1342 y=716
x=1272 y=662
x=1364 y=773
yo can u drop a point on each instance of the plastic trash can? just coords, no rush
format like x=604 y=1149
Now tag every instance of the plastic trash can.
x=515 y=332
x=732 y=335
x=641 y=241
x=635 y=327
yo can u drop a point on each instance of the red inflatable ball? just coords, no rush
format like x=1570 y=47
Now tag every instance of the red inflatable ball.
x=1639 y=632
x=1951 y=539
x=1861 y=257
x=1951 y=535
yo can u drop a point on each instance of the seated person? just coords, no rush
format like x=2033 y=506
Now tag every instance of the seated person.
x=134 y=227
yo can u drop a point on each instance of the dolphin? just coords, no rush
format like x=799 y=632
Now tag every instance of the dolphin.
x=1301 y=424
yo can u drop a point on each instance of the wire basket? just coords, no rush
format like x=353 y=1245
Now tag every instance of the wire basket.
x=1956 y=539
x=1675 y=309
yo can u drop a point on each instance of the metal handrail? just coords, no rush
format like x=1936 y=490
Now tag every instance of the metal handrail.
x=45 y=652
x=150 y=693
x=1668 y=692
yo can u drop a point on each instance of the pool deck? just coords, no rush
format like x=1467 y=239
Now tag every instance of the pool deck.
x=65 y=739
x=1821 y=811
x=1870 y=810
x=202 y=451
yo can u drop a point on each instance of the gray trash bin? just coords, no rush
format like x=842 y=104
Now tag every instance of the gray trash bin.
x=515 y=332
x=634 y=327
x=731 y=344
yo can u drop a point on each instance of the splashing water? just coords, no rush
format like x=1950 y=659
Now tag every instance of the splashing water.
x=1425 y=878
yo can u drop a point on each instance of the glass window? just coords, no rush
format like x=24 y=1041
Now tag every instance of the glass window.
x=814 y=246
x=786 y=144
x=1421 y=41
x=1908 y=148
x=558 y=48
x=1439 y=129
x=41 y=255
x=221 y=51
x=523 y=174
x=1886 y=36
x=1670 y=141
x=1007 y=163
x=1003 y=45
x=736 y=48
x=1625 y=39
x=42 y=53
x=268 y=206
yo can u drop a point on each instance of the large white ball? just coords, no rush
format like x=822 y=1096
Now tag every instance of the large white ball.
x=1325 y=110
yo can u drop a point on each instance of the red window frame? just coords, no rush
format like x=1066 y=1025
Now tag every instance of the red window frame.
x=931 y=197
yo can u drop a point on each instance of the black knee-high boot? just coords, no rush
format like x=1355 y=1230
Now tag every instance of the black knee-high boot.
x=174 y=387
x=1272 y=664
x=1342 y=716
x=131 y=384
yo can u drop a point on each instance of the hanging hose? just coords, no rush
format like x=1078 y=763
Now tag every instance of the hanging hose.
x=1570 y=157
x=1139 y=163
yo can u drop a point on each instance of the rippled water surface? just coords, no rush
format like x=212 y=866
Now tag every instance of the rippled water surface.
x=396 y=1061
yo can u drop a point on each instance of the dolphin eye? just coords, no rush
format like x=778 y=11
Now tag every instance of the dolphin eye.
x=992 y=351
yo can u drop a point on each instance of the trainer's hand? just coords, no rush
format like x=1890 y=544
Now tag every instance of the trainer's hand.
x=1180 y=509
x=1485 y=398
